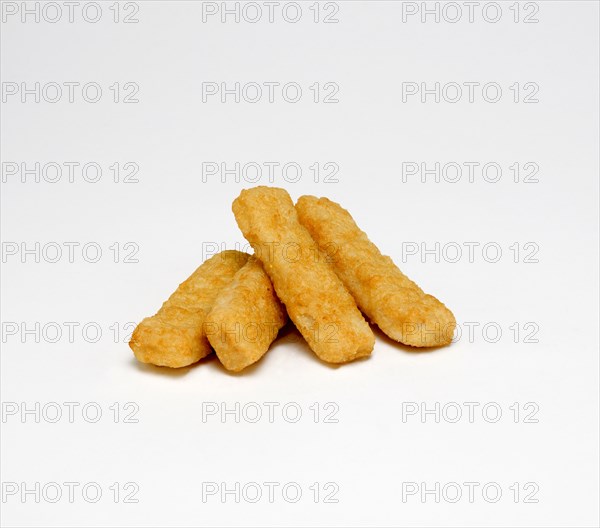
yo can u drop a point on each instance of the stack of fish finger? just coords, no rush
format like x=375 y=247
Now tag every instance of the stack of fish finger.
x=312 y=263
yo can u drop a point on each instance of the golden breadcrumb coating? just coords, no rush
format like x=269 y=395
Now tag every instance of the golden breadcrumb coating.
x=245 y=318
x=316 y=300
x=175 y=336
x=388 y=297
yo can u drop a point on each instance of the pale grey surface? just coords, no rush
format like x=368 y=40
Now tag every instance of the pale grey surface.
x=171 y=212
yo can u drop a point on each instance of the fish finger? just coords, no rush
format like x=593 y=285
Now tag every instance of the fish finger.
x=175 y=336
x=384 y=294
x=245 y=318
x=315 y=298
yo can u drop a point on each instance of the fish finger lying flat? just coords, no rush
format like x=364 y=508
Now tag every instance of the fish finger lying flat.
x=175 y=336
x=315 y=298
x=388 y=297
x=245 y=318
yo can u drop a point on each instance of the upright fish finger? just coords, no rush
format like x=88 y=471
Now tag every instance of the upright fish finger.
x=175 y=336
x=245 y=318
x=316 y=300
x=388 y=297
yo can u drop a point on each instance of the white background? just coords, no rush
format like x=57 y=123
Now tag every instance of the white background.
x=171 y=214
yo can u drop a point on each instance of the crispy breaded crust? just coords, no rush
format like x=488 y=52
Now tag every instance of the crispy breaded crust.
x=245 y=318
x=316 y=300
x=175 y=336
x=388 y=297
